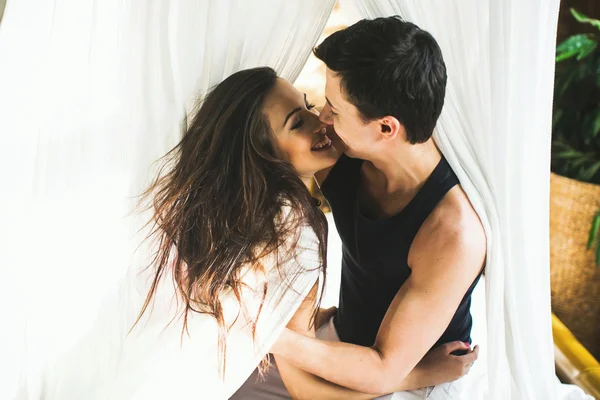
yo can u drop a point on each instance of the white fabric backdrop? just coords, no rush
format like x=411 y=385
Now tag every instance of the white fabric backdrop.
x=91 y=93
x=495 y=131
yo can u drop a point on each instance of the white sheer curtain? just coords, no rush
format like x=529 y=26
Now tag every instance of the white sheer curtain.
x=495 y=132
x=91 y=93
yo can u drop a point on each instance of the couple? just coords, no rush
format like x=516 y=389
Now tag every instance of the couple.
x=234 y=208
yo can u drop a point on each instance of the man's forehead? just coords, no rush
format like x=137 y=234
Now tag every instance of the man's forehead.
x=330 y=73
x=332 y=88
x=332 y=79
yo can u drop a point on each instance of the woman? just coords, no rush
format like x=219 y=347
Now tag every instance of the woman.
x=243 y=241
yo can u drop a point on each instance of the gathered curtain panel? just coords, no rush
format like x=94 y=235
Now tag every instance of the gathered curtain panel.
x=91 y=94
x=495 y=131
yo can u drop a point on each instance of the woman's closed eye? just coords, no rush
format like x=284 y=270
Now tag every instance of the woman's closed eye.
x=299 y=122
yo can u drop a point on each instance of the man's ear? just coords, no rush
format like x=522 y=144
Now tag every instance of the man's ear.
x=390 y=127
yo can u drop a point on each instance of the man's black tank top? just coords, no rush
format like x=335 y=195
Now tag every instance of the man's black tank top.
x=375 y=253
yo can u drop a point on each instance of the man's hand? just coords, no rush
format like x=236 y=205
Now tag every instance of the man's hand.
x=441 y=366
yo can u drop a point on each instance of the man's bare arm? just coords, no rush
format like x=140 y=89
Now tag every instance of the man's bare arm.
x=304 y=385
x=301 y=384
x=445 y=262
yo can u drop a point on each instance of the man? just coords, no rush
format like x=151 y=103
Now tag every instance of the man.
x=413 y=247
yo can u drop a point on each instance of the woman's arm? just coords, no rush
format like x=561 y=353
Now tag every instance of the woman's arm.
x=301 y=384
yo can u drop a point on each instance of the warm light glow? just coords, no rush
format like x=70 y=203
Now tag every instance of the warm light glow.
x=312 y=78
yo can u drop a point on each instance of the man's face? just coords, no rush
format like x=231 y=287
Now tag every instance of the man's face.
x=358 y=137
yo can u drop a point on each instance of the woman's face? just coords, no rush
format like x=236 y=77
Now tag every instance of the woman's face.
x=299 y=133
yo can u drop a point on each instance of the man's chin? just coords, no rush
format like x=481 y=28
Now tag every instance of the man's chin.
x=348 y=152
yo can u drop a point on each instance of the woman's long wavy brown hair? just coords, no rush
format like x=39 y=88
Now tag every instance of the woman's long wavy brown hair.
x=217 y=199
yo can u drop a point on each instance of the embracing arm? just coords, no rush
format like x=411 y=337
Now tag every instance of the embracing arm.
x=438 y=366
x=301 y=384
x=444 y=264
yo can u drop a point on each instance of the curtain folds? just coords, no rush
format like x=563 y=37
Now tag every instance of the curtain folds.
x=91 y=94
x=495 y=131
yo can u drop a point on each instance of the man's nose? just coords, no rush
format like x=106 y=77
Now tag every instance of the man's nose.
x=325 y=116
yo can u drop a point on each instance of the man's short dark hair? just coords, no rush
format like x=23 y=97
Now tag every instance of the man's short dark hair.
x=388 y=66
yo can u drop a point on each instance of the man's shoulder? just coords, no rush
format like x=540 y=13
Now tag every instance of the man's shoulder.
x=455 y=216
x=452 y=228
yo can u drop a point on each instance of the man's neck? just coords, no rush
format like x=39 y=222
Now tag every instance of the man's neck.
x=405 y=167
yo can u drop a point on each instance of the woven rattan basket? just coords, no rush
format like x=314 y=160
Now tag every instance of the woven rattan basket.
x=575 y=278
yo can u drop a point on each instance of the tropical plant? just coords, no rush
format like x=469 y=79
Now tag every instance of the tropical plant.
x=576 y=121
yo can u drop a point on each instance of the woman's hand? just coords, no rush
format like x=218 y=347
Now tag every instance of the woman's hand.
x=441 y=366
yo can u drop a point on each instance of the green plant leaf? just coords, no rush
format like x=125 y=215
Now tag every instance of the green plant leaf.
x=568 y=154
x=564 y=84
x=580 y=161
x=584 y=19
x=594 y=231
x=590 y=172
x=587 y=122
x=587 y=51
x=596 y=126
x=556 y=117
x=578 y=46
x=561 y=144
